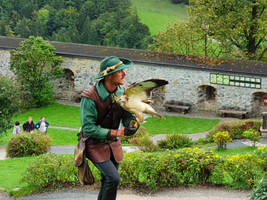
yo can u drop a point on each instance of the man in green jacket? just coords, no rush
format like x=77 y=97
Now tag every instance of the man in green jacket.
x=104 y=122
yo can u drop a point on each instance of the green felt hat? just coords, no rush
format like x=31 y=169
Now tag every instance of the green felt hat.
x=112 y=64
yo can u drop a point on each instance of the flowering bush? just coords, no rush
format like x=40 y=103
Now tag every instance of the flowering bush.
x=261 y=152
x=221 y=139
x=252 y=135
x=235 y=128
x=167 y=169
x=238 y=171
x=152 y=171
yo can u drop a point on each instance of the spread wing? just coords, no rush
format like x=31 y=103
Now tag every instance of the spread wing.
x=142 y=90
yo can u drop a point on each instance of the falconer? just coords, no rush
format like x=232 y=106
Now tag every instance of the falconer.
x=104 y=121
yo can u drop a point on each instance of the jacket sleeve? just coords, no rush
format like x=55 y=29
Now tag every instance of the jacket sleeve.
x=89 y=115
x=37 y=125
x=47 y=124
x=24 y=126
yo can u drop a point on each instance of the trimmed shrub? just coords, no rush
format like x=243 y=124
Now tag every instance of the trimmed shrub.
x=175 y=141
x=151 y=171
x=252 y=135
x=238 y=171
x=51 y=171
x=260 y=192
x=143 y=140
x=235 y=128
x=146 y=144
x=132 y=139
x=221 y=139
x=26 y=144
x=261 y=153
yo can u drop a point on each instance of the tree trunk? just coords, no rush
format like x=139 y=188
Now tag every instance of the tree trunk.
x=251 y=45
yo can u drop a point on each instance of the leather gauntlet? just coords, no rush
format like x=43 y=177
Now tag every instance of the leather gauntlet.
x=132 y=128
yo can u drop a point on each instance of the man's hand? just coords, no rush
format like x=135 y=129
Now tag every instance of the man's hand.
x=117 y=132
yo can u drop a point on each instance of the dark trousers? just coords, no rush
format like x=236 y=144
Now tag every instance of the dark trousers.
x=110 y=178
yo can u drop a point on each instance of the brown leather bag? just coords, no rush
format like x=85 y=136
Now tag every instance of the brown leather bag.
x=85 y=174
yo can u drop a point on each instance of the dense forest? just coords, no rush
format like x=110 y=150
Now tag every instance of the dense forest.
x=97 y=22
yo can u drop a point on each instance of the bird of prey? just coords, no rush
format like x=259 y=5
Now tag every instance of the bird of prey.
x=136 y=98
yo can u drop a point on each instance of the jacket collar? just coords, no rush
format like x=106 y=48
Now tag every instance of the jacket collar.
x=104 y=93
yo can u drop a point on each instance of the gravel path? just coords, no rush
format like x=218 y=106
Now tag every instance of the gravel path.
x=180 y=193
x=65 y=128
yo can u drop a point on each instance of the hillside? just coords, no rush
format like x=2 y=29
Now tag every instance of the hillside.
x=158 y=13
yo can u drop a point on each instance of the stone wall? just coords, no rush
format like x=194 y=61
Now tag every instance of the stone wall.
x=4 y=63
x=183 y=88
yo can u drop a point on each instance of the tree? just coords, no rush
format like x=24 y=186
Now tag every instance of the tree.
x=99 y=22
x=242 y=24
x=22 y=28
x=9 y=102
x=35 y=64
x=184 y=38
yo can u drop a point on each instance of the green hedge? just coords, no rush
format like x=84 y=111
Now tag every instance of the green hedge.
x=167 y=169
x=27 y=144
x=152 y=171
x=53 y=171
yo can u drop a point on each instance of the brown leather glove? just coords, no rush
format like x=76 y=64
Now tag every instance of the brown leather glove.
x=117 y=132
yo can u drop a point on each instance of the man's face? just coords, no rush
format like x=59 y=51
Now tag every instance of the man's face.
x=118 y=77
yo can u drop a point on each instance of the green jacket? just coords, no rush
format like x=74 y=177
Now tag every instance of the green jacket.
x=89 y=113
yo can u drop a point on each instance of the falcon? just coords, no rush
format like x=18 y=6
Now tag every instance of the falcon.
x=136 y=98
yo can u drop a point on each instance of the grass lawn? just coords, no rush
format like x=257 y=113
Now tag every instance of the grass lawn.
x=230 y=152
x=59 y=137
x=177 y=125
x=5 y=137
x=11 y=171
x=69 y=116
x=63 y=137
x=156 y=14
x=56 y=115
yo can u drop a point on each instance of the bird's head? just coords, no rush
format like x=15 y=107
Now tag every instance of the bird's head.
x=121 y=100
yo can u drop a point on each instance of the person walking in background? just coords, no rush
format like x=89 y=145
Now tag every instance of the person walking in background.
x=28 y=126
x=42 y=125
x=16 y=129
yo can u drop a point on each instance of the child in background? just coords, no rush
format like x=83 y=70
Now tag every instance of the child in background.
x=16 y=129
